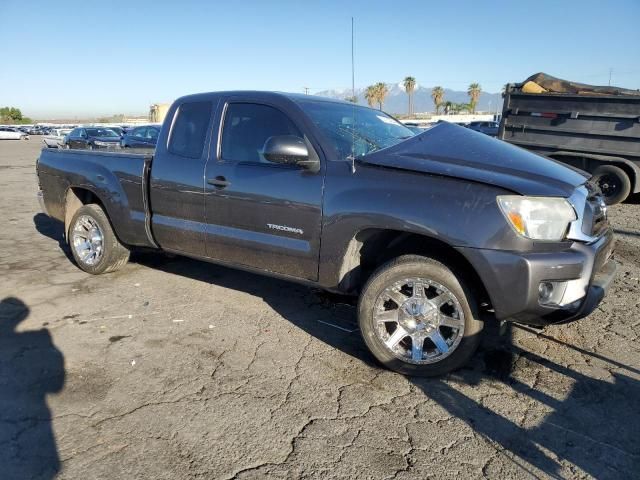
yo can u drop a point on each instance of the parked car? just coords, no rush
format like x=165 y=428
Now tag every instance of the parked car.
x=488 y=128
x=141 y=137
x=11 y=133
x=428 y=230
x=119 y=130
x=92 y=138
x=56 y=137
x=36 y=130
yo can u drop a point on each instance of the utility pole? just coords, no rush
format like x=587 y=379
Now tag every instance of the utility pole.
x=306 y=90
x=353 y=70
x=610 y=72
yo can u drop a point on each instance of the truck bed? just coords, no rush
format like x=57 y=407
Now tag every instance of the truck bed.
x=567 y=123
x=120 y=179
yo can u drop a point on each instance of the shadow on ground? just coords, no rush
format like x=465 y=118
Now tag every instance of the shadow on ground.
x=593 y=425
x=30 y=368
x=54 y=229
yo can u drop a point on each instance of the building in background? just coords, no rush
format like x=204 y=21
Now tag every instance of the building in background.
x=158 y=111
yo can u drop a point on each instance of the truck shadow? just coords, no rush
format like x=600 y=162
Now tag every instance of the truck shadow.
x=590 y=426
x=30 y=368
x=54 y=229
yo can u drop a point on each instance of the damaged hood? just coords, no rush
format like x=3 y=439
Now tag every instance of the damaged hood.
x=454 y=151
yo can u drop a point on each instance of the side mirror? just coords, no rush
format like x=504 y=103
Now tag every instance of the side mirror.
x=289 y=150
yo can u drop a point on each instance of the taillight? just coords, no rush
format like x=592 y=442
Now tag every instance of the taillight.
x=544 y=114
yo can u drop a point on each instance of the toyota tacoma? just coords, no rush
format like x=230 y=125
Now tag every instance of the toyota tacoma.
x=428 y=230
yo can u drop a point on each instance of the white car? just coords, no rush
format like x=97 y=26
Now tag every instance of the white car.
x=10 y=133
x=55 y=139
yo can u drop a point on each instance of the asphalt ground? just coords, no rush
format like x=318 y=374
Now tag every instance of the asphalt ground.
x=175 y=369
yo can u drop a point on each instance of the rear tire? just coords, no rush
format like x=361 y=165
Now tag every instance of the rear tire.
x=410 y=341
x=613 y=182
x=94 y=245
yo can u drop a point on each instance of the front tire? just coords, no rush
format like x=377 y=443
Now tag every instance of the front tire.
x=613 y=182
x=94 y=245
x=418 y=318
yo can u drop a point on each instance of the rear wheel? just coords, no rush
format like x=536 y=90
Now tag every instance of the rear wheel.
x=417 y=317
x=93 y=243
x=613 y=182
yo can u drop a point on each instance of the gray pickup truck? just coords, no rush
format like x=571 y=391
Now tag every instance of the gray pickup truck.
x=429 y=230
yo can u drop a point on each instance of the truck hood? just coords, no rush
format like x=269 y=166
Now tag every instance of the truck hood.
x=454 y=151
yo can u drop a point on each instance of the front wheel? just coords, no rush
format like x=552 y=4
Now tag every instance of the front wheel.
x=94 y=245
x=418 y=318
x=613 y=182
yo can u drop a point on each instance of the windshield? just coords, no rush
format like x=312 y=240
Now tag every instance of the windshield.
x=101 y=132
x=351 y=128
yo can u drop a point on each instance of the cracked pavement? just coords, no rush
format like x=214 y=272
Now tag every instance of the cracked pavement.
x=176 y=369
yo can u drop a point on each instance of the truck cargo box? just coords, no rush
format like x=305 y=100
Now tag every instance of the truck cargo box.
x=593 y=128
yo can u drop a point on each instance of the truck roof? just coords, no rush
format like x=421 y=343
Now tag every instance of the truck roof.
x=295 y=97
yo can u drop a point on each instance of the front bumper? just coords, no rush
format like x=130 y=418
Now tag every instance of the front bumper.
x=512 y=280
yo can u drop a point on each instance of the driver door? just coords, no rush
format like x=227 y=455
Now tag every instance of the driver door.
x=261 y=214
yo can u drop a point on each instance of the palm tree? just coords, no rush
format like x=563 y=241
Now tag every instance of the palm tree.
x=409 y=86
x=437 y=95
x=474 y=92
x=381 y=92
x=370 y=95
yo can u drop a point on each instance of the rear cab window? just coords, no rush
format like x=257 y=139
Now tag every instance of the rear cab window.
x=189 y=129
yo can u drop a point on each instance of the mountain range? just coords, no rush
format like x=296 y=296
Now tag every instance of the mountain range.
x=397 y=100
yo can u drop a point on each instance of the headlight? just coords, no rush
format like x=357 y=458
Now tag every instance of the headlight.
x=538 y=218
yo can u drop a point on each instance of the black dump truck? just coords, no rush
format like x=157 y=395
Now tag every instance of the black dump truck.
x=596 y=129
x=428 y=230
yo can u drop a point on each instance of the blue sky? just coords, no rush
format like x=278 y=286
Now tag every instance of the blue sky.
x=74 y=58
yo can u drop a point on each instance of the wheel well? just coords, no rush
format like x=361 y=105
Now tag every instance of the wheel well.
x=76 y=198
x=371 y=248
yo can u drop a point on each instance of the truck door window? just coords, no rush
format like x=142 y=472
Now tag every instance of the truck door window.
x=190 y=129
x=247 y=126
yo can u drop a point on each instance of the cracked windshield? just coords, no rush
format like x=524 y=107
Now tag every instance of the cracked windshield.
x=350 y=128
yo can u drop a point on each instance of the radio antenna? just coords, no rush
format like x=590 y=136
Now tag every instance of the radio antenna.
x=353 y=100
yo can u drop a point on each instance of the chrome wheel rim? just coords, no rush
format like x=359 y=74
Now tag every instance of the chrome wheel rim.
x=87 y=240
x=418 y=320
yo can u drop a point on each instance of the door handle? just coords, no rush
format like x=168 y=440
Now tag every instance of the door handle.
x=219 y=182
